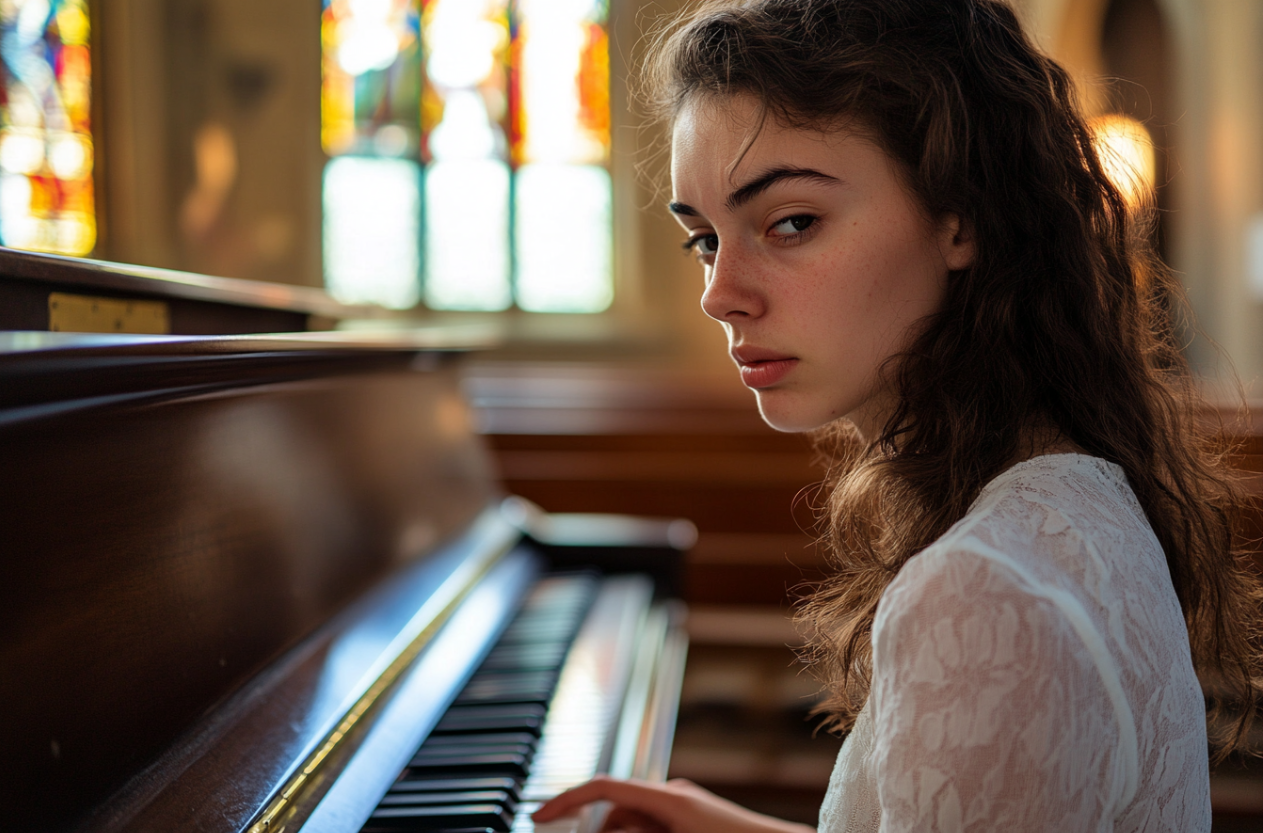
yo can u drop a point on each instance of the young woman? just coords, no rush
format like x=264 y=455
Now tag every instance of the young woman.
x=913 y=247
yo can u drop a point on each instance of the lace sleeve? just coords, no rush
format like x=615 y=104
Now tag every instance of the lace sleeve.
x=990 y=709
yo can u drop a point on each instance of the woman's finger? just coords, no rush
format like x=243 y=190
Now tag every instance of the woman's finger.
x=675 y=807
x=657 y=801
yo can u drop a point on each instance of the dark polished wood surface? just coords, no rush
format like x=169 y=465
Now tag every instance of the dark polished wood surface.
x=219 y=774
x=177 y=514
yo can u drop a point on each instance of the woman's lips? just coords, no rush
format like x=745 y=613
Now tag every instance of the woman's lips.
x=763 y=374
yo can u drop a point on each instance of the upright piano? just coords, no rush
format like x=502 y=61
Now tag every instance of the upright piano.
x=264 y=582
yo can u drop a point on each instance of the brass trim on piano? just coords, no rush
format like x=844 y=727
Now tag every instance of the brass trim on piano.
x=419 y=633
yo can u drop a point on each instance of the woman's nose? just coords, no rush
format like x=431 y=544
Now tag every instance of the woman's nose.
x=731 y=293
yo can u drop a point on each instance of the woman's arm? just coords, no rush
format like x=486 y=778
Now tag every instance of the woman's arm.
x=677 y=806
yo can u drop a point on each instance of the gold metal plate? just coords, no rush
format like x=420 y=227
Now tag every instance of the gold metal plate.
x=84 y=314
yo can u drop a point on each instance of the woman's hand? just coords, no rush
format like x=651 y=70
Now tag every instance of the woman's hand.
x=677 y=806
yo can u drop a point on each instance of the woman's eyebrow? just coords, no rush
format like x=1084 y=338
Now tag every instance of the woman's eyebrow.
x=756 y=186
x=766 y=180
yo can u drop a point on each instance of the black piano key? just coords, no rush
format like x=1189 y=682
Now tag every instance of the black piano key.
x=432 y=799
x=519 y=639
x=477 y=816
x=479 y=740
x=509 y=687
x=556 y=613
x=506 y=695
x=483 y=746
x=518 y=717
x=545 y=656
x=480 y=750
x=512 y=786
x=559 y=625
x=448 y=752
x=543 y=628
x=510 y=764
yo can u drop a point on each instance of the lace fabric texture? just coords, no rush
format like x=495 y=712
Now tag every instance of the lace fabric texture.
x=1031 y=671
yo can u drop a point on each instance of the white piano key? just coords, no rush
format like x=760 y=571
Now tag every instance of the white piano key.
x=585 y=822
x=580 y=731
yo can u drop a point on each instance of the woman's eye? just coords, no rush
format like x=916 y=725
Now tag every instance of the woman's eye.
x=793 y=225
x=703 y=244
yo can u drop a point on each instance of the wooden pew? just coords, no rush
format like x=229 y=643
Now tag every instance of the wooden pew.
x=589 y=438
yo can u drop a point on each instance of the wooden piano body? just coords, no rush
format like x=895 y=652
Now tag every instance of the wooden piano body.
x=242 y=578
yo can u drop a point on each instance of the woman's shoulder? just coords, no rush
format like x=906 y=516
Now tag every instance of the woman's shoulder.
x=1053 y=591
x=1066 y=481
x=1062 y=524
x=1057 y=546
x=1057 y=518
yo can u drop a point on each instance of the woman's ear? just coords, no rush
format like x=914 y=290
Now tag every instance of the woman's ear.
x=956 y=242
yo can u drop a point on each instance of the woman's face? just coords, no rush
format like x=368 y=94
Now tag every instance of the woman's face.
x=818 y=260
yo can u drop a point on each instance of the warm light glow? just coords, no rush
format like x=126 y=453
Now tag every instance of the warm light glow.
x=215 y=160
x=1126 y=153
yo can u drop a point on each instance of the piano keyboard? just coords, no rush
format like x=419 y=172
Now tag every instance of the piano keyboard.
x=538 y=716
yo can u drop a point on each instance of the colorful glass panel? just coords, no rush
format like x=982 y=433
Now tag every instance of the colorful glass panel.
x=370 y=126
x=46 y=158
x=467 y=183
x=561 y=143
x=564 y=77
x=507 y=108
x=371 y=85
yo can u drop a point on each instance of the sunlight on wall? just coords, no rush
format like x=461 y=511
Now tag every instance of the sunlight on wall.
x=46 y=158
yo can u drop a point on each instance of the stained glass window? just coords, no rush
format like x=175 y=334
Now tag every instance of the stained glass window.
x=370 y=121
x=469 y=144
x=46 y=198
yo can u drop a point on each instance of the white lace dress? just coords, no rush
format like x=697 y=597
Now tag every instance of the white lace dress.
x=1031 y=672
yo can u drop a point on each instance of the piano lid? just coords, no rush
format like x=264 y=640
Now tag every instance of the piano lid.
x=178 y=513
x=442 y=338
x=92 y=276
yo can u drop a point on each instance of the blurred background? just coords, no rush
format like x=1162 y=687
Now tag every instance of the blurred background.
x=482 y=162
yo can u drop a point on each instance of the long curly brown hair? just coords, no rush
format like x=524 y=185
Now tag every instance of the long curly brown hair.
x=1064 y=329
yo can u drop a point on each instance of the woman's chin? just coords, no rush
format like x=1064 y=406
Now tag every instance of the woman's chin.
x=790 y=417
